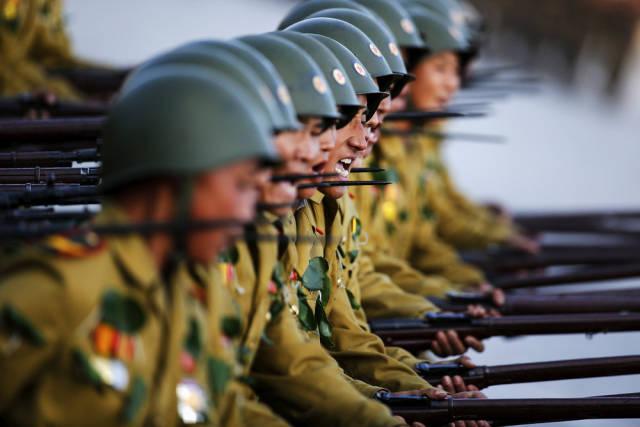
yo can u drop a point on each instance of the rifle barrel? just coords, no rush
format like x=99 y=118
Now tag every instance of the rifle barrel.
x=431 y=412
x=585 y=275
x=16 y=159
x=417 y=334
x=428 y=115
x=79 y=128
x=485 y=376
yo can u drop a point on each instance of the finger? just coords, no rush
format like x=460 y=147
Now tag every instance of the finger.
x=474 y=343
x=416 y=424
x=444 y=343
x=471 y=387
x=437 y=349
x=447 y=384
x=466 y=362
x=455 y=343
x=471 y=424
x=483 y=424
x=498 y=297
x=435 y=394
x=494 y=312
x=459 y=385
x=459 y=423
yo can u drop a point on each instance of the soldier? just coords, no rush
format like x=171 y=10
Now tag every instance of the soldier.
x=460 y=222
x=143 y=341
x=289 y=372
x=21 y=30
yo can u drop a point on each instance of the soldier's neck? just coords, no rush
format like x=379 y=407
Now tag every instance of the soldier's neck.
x=153 y=205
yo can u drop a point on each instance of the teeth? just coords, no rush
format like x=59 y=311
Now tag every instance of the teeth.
x=346 y=161
x=340 y=170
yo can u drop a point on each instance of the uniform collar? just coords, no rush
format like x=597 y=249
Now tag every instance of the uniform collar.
x=317 y=197
x=131 y=251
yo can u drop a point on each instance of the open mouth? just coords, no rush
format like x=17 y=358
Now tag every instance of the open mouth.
x=318 y=169
x=343 y=166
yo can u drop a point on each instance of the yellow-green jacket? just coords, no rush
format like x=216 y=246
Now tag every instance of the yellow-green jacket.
x=91 y=334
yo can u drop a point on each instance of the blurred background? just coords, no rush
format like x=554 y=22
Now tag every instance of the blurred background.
x=572 y=140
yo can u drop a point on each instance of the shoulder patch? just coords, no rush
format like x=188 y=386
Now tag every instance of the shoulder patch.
x=77 y=246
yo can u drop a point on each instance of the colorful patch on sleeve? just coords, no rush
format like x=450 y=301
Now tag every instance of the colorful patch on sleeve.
x=76 y=246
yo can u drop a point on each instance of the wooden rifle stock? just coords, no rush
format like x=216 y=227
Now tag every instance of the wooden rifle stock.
x=507 y=411
x=51 y=129
x=507 y=260
x=485 y=376
x=19 y=106
x=417 y=334
x=585 y=275
x=93 y=81
x=15 y=159
x=542 y=304
x=43 y=175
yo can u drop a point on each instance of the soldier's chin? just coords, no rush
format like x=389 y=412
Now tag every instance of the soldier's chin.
x=306 y=193
x=334 y=192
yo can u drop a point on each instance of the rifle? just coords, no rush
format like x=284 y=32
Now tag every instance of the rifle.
x=485 y=376
x=40 y=175
x=20 y=105
x=417 y=334
x=581 y=221
x=93 y=81
x=624 y=292
x=469 y=137
x=48 y=158
x=540 y=304
x=508 y=411
x=509 y=260
x=585 y=275
x=46 y=214
x=48 y=195
x=79 y=128
x=423 y=116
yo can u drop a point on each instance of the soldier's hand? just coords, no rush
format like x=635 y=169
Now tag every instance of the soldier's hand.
x=523 y=243
x=448 y=343
x=404 y=423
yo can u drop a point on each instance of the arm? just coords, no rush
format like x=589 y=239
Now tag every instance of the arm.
x=300 y=381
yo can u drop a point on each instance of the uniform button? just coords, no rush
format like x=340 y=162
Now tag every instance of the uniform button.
x=268 y=316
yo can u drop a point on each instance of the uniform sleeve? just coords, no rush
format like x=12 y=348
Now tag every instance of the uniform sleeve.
x=32 y=324
x=462 y=228
x=300 y=381
x=405 y=276
x=381 y=298
x=362 y=354
x=431 y=255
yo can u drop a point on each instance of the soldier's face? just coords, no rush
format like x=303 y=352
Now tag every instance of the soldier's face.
x=318 y=156
x=374 y=131
x=227 y=193
x=350 y=141
x=294 y=148
x=437 y=80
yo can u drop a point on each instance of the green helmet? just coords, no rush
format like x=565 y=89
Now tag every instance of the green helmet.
x=354 y=40
x=397 y=19
x=181 y=120
x=226 y=64
x=303 y=10
x=438 y=33
x=334 y=73
x=381 y=36
x=264 y=69
x=305 y=81
x=362 y=81
x=454 y=12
